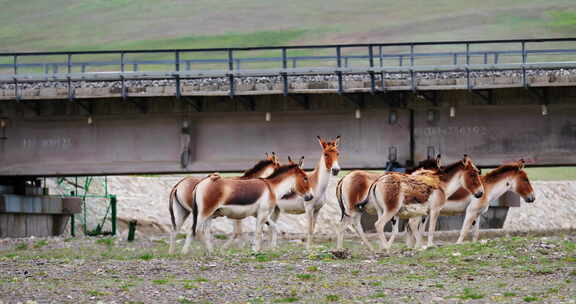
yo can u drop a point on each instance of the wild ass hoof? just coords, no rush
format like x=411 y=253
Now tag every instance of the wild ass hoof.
x=341 y=254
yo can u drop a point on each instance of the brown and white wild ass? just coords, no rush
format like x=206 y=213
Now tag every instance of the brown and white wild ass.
x=319 y=178
x=180 y=201
x=215 y=196
x=352 y=195
x=420 y=193
x=508 y=177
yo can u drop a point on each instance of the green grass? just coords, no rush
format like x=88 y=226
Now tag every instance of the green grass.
x=106 y=24
x=531 y=299
x=470 y=294
x=305 y=276
x=40 y=243
x=287 y=300
x=105 y=241
x=534 y=174
x=563 y=19
x=332 y=298
x=21 y=246
x=551 y=174
x=146 y=256
x=312 y=268
x=444 y=271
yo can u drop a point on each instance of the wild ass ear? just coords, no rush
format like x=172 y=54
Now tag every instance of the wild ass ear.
x=275 y=158
x=320 y=141
x=466 y=160
x=337 y=141
x=521 y=164
x=301 y=162
x=438 y=160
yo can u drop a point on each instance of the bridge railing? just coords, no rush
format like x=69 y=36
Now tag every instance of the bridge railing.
x=284 y=61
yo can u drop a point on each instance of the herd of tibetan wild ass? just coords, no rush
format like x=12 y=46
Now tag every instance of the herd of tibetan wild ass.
x=270 y=188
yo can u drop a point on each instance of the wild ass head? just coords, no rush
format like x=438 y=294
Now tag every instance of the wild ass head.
x=264 y=167
x=330 y=154
x=302 y=184
x=471 y=177
x=516 y=179
x=468 y=176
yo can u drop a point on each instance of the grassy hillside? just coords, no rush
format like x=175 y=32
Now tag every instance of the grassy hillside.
x=133 y=24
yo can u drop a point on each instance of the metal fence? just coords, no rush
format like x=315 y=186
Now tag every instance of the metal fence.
x=285 y=61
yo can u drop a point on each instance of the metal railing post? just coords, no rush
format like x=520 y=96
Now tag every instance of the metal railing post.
x=177 y=68
x=338 y=72
x=124 y=95
x=468 y=84
x=371 y=63
x=380 y=54
x=15 y=64
x=16 y=91
x=284 y=74
x=230 y=74
x=69 y=70
x=524 y=60
x=412 y=74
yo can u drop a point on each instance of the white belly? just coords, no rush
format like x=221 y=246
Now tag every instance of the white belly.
x=238 y=211
x=291 y=206
x=454 y=207
x=413 y=210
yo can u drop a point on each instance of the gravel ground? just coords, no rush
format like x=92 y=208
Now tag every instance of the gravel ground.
x=145 y=199
x=268 y=83
x=538 y=269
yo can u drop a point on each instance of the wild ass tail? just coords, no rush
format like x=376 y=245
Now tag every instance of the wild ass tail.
x=212 y=177
x=195 y=209
x=171 y=206
x=340 y=199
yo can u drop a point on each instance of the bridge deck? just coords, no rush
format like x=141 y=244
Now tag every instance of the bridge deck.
x=452 y=65
x=316 y=84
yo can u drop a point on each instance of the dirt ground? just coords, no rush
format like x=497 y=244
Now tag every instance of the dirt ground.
x=506 y=269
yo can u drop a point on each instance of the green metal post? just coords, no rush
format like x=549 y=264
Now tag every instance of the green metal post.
x=113 y=210
x=132 y=229
x=72 y=229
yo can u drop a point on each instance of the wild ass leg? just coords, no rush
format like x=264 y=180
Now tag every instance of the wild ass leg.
x=413 y=235
x=178 y=216
x=260 y=222
x=476 y=232
x=236 y=234
x=395 y=225
x=310 y=218
x=472 y=214
x=360 y=231
x=342 y=225
x=273 y=221
x=436 y=202
x=273 y=231
x=383 y=217
x=434 y=212
x=188 y=241
x=203 y=232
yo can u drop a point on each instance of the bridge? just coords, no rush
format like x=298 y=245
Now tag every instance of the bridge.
x=203 y=110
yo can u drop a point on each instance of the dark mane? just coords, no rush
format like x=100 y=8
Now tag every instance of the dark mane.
x=259 y=166
x=492 y=175
x=446 y=172
x=448 y=169
x=425 y=164
x=282 y=170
